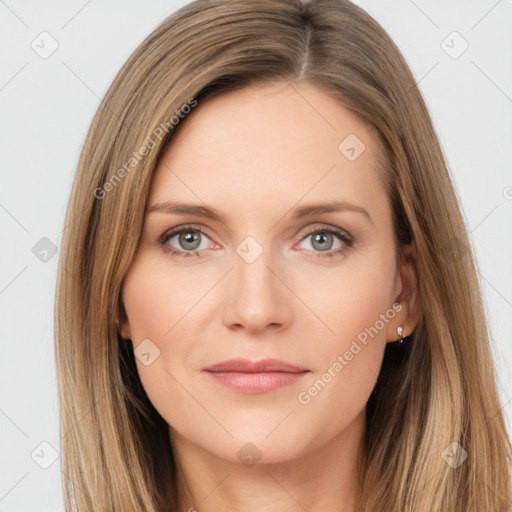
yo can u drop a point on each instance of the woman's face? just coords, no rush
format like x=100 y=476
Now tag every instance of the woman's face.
x=287 y=253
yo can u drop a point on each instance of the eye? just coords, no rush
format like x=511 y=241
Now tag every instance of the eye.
x=326 y=242
x=188 y=241
x=185 y=241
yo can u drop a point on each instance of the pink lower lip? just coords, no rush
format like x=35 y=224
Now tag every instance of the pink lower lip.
x=260 y=382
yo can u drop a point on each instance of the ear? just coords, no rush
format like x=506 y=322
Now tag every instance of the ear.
x=124 y=325
x=407 y=295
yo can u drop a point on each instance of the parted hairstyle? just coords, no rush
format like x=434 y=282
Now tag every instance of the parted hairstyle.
x=439 y=390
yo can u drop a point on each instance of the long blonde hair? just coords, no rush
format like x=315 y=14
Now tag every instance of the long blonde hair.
x=439 y=390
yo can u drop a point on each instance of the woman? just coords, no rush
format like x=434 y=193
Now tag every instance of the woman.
x=266 y=296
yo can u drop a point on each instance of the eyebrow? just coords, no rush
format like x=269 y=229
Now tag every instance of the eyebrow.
x=211 y=213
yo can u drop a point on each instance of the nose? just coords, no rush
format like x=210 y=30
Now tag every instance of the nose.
x=257 y=298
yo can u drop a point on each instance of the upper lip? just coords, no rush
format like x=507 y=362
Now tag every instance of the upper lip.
x=247 y=366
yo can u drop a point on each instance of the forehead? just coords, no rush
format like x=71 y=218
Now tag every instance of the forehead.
x=267 y=143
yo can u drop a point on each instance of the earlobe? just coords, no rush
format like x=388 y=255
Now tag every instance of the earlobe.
x=407 y=319
x=124 y=332
x=123 y=326
x=122 y=322
x=397 y=329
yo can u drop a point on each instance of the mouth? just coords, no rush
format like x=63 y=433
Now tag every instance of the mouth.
x=255 y=377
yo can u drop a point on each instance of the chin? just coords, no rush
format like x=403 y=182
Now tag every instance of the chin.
x=254 y=445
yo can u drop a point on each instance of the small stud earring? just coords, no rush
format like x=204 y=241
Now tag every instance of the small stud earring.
x=400 y=331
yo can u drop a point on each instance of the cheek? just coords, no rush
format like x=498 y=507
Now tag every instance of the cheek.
x=353 y=304
x=156 y=298
x=164 y=305
x=335 y=395
x=348 y=301
x=156 y=303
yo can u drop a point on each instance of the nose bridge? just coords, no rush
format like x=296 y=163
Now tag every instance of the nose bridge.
x=257 y=298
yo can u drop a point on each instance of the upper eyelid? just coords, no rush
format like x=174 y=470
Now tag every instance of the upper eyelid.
x=324 y=227
x=184 y=227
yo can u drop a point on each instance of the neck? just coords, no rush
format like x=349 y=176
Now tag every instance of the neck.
x=316 y=480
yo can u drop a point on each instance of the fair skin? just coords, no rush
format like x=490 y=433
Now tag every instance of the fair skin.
x=256 y=156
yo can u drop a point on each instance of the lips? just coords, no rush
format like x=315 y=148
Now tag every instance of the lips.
x=248 y=376
x=244 y=365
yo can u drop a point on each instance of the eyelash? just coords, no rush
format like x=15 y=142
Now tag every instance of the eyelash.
x=342 y=236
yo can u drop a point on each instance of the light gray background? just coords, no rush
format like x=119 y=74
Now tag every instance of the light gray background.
x=47 y=104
